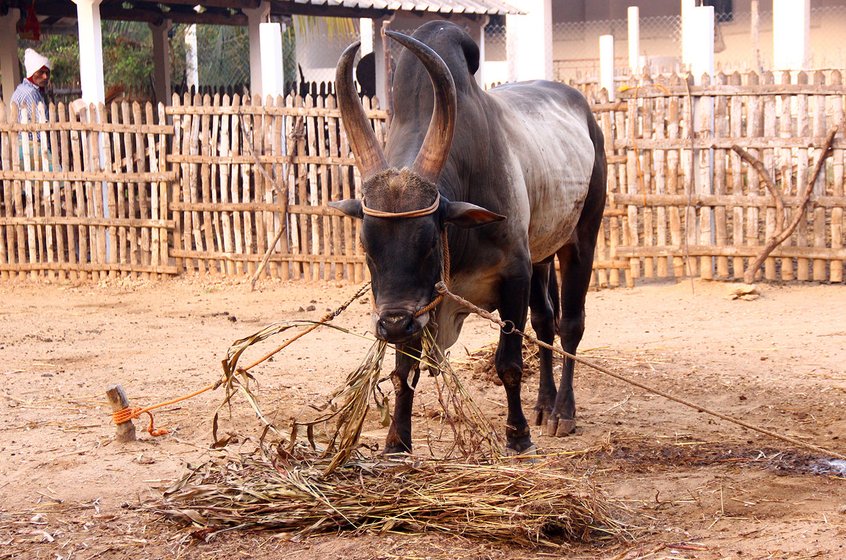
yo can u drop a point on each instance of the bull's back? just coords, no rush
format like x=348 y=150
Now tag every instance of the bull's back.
x=551 y=156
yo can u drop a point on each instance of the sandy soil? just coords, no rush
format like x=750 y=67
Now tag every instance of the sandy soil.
x=699 y=487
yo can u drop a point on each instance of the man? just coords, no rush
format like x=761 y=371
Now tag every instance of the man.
x=31 y=90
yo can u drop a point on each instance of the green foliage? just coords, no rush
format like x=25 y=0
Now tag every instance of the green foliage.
x=223 y=53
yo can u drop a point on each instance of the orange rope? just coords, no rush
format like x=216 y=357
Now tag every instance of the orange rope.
x=126 y=414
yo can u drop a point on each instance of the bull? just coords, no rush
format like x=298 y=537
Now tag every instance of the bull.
x=514 y=176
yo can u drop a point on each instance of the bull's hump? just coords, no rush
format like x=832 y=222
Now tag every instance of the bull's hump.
x=552 y=144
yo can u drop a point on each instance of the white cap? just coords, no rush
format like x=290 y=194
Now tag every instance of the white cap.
x=34 y=61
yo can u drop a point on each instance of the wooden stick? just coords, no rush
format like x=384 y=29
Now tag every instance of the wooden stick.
x=125 y=431
x=762 y=173
x=778 y=238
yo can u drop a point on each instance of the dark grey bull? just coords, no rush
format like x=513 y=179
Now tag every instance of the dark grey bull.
x=515 y=176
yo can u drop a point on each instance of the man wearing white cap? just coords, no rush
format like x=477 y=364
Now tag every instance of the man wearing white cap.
x=31 y=90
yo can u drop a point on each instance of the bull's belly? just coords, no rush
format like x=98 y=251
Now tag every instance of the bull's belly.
x=554 y=218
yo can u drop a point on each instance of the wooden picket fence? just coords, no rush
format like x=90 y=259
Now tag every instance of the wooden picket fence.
x=85 y=198
x=213 y=185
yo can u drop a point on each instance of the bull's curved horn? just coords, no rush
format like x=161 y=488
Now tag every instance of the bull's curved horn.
x=365 y=147
x=433 y=153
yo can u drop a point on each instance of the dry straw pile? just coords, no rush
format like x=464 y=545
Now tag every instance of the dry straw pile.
x=518 y=502
x=470 y=488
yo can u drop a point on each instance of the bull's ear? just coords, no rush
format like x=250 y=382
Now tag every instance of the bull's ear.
x=466 y=215
x=351 y=207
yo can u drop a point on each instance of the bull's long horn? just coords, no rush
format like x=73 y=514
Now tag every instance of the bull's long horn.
x=433 y=153
x=368 y=153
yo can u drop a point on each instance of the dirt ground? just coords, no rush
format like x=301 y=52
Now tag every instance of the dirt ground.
x=698 y=487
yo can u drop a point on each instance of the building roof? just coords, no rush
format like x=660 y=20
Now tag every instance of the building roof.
x=480 y=7
x=231 y=12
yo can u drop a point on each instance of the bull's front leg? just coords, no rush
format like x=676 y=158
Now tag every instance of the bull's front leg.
x=404 y=378
x=514 y=302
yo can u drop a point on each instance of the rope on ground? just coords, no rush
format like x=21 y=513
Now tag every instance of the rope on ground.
x=131 y=413
x=442 y=289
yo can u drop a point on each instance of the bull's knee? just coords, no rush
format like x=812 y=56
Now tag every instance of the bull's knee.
x=510 y=376
x=571 y=330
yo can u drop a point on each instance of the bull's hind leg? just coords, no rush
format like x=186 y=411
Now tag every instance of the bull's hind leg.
x=404 y=378
x=575 y=278
x=576 y=260
x=543 y=305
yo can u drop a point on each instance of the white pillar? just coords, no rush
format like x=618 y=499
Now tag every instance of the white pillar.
x=379 y=61
x=10 y=68
x=701 y=31
x=365 y=30
x=529 y=41
x=90 y=51
x=161 y=61
x=688 y=48
x=634 y=40
x=791 y=33
x=273 y=78
x=606 y=64
x=255 y=17
x=192 y=70
x=477 y=32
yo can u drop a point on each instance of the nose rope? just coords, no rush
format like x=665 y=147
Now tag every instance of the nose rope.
x=444 y=276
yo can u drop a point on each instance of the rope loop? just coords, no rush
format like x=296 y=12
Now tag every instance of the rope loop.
x=131 y=413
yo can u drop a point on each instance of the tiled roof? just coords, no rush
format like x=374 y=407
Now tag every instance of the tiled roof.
x=489 y=7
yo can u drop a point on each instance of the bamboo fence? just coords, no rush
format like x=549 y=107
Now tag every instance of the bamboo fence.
x=233 y=186
x=681 y=202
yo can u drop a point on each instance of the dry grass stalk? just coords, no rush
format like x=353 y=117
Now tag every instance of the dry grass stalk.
x=527 y=504
x=473 y=434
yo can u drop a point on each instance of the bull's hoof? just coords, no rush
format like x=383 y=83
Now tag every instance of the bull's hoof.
x=530 y=453
x=560 y=427
x=542 y=416
x=519 y=444
x=396 y=449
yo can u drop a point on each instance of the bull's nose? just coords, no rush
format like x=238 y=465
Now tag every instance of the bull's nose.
x=395 y=325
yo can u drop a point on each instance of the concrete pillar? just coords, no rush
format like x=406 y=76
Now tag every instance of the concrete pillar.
x=529 y=41
x=382 y=75
x=791 y=34
x=365 y=30
x=10 y=67
x=755 y=33
x=255 y=17
x=90 y=51
x=192 y=70
x=688 y=48
x=161 y=61
x=477 y=32
x=606 y=65
x=273 y=77
x=634 y=40
x=701 y=33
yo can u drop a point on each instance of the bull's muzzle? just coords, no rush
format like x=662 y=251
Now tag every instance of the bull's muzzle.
x=398 y=325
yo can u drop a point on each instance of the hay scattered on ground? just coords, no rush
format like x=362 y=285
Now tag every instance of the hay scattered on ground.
x=516 y=501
